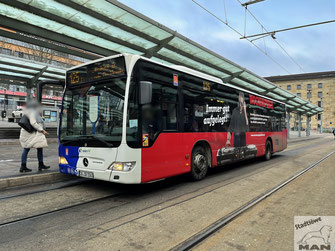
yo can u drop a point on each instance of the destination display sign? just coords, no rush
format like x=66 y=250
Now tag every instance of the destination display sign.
x=97 y=71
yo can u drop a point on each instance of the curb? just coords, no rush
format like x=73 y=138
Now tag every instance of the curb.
x=303 y=139
x=33 y=179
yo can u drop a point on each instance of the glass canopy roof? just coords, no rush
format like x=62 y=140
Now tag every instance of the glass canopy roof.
x=25 y=70
x=107 y=27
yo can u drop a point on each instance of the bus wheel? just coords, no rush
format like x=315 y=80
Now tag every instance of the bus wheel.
x=199 y=163
x=268 y=151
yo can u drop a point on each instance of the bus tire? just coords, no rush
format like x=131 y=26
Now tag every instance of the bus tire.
x=199 y=163
x=268 y=150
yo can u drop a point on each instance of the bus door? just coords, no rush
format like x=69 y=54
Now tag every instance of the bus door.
x=162 y=153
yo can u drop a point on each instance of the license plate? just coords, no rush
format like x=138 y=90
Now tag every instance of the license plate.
x=86 y=174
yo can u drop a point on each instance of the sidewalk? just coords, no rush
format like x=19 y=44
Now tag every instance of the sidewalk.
x=297 y=139
x=10 y=161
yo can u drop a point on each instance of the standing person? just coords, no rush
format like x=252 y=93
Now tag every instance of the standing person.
x=334 y=133
x=239 y=124
x=35 y=139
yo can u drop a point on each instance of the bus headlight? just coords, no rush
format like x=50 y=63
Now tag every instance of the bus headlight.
x=117 y=166
x=128 y=166
x=123 y=166
x=62 y=161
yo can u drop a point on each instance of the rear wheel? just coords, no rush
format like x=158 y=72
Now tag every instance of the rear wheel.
x=268 y=150
x=199 y=163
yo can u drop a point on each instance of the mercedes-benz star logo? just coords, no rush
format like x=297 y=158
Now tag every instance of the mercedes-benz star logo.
x=85 y=162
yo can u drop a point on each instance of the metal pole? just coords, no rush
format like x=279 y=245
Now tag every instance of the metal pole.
x=321 y=129
x=287 y=29
x=299 y=125
x=28 y=93
x=288 y=116
x=308 y=130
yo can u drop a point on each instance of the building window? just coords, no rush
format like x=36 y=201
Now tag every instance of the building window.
x=319 y=104
x=309 y=86
x=319 y=85
x=299 y=94
x=288 y=87
x=18 y=54
x=309 y=95
x=298 y=87
x=319 y=94
x=6 y=51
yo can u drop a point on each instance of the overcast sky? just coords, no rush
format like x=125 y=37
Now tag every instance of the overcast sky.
x=313 y=48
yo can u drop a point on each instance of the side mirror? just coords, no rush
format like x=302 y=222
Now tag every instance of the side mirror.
x=145 y=92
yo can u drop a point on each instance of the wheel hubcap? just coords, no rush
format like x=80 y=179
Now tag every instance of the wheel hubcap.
x=199 y=163
x=268 y=152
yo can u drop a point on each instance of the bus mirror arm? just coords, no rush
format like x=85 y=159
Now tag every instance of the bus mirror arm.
x=145 y=92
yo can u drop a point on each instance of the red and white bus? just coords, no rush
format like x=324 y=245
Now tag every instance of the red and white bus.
x=128 y=119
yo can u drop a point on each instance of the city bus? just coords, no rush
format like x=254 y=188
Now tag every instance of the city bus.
x=129 y=119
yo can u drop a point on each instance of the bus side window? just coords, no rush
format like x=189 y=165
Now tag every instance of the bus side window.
x=169 y=108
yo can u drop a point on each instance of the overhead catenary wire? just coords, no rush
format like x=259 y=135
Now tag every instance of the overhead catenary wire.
x=239 y=33
x=282 y=47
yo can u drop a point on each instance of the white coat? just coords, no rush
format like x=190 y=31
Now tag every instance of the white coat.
x=35 y=139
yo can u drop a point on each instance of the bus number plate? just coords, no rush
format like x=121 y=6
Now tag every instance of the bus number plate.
x=86 y=174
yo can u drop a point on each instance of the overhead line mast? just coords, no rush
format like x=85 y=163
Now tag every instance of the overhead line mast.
x=272 y=33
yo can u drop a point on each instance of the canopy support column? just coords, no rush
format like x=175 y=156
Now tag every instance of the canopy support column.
x=299 y=125
x=29 y=87
x=288 y=117
x=308 y=129
x=151 y=52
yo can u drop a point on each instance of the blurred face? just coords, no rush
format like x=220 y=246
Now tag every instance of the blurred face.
x=39 y=108
x=240 y=102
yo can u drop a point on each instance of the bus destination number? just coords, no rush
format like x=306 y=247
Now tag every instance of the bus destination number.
x=97 y=71
x=206 y=86
x=74 y=78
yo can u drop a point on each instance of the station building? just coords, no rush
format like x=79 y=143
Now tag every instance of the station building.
x=318 y=88
x=13 y=93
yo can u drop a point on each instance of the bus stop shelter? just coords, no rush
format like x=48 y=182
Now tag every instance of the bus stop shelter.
x=107 y=27
x=28 y=71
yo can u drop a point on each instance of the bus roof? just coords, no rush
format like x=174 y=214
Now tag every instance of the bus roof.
x=206 y=76
x=181 y=69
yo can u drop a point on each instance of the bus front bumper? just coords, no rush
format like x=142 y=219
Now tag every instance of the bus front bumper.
x=106 y=175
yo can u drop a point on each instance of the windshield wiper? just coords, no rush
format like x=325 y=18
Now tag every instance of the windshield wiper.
x=98 y=139
x=83 y=137
x=67 y=141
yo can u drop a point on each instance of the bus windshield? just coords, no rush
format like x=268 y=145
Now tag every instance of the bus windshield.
x=92 y=114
